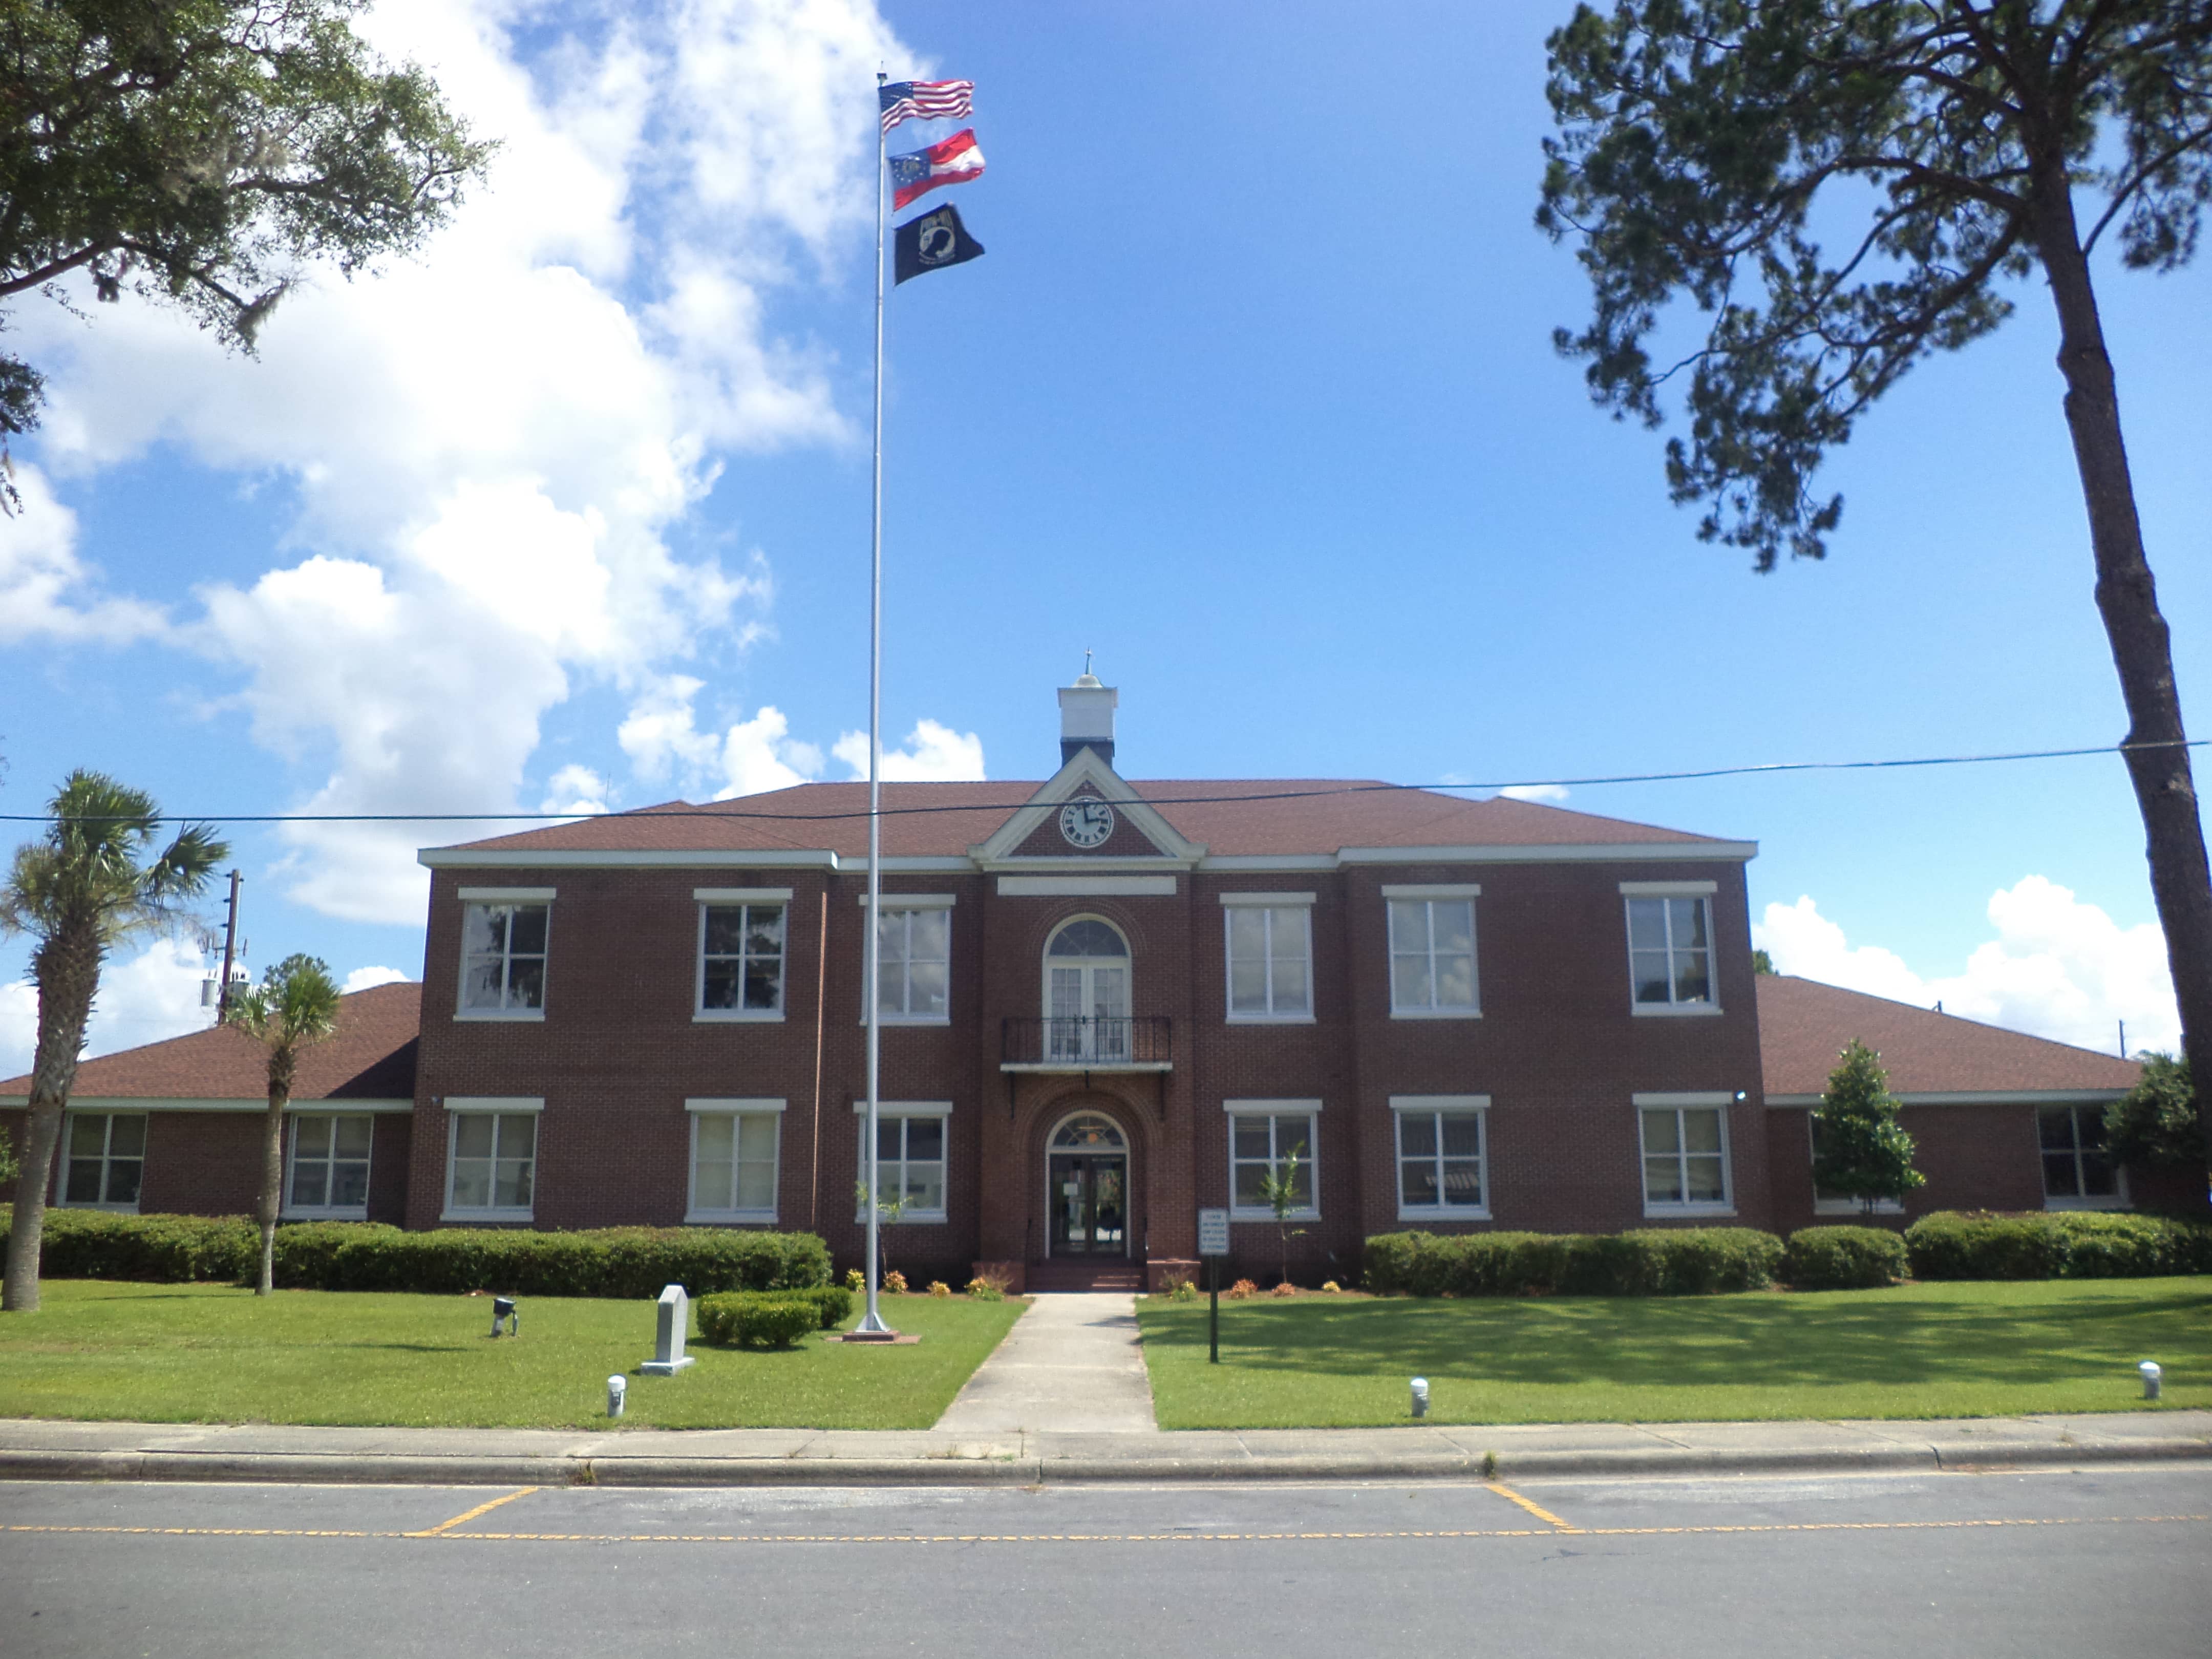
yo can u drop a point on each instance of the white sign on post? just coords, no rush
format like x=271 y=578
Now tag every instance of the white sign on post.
x=1213 y=1232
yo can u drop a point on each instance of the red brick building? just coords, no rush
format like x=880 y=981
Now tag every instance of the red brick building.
x=1105 y=1004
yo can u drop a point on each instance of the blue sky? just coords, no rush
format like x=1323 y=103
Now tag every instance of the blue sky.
x=1253 y=394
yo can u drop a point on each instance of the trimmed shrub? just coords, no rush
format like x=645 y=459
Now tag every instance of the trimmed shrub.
x=832 y=1305
x=2066 y=1244
x=621 y=1262
x=1844 y=1258
x=768 y=1319
x=1649 y=1262
x=159 y=1250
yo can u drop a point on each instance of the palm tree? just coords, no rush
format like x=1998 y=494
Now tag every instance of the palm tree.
x=80 y=890
x=295 y=1003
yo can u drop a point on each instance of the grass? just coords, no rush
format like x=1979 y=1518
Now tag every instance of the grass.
x=204 y=1353
x=1931 y=1350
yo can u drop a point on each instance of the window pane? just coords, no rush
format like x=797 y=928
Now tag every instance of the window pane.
x=1086 y=939
x=88 y=1134
x=348 y=1182
x=924 y=1187
x=757 y=1185
x=471 y=1183
x=1662 y=1180
x=2098 y=1180
x=1301 y=1184
x=931 y=938
x=1660 y=1133
x=482 y=978
x=518 y=1134
x=123 y=1181
x=891 y=986
x=710 y=1183
x=126 y=1135
x=926 y=988
x=1287 y=934
x=350 y=1135
x=1417 y=1183
x=1691 y=983
x=1706 y=1186
x=1462 y=1135
x=1455 y=981
x=1249 y=1137
x=2089 y=1128
x=1650 y=970
x=472 y=1134
x=764 y=929
x=1453 y=925
x=483 y=929
x=764 y=982
x=925 y=1137
x=718 y=986
x=889 y=1132
x=1701 y=1130
x=717 y=1137
x=311 y=1136
x=1409 y=982
x=1249 y=1194
x=526 y=931
x=2055 y=1127
x=82 y=1186
x=1647 y=924
x=1462 y=1182
x=1248 y=986
x=510 y=1184
x=1417 y=1134
x=1688 y=916
x=726 y=929
x=525 y=983
x=310 y=1183
x=1409 y=927
x=1290 y=987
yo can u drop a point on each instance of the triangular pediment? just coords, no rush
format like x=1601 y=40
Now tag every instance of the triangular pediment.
x=1134 y=832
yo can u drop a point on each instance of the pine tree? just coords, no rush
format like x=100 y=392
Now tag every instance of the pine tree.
x=1859 y=1148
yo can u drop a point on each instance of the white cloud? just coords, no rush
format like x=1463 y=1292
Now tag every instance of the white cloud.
x=1534 y=791
x=365 y=979
x=2058 y=968
x=489 y=443
x=141 y=998
x=662 y=738
x=932 y=753
x=576 y=789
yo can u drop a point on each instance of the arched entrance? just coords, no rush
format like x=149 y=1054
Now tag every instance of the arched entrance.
x=1087 y=1187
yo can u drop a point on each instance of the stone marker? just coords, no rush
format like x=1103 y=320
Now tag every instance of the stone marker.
x=668 y=1357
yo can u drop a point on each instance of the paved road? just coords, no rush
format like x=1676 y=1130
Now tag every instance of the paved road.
x=2105 y=1562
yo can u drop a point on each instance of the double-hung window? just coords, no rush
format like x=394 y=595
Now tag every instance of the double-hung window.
x=1443 y=1156
x=106 y=1160
x=503 y=938
x=1685 y=1156
x=1273 y=1140
x=2078 y=1173
x=741 y=952
x=1670 y=947
x=1432 y=952
x=1270 y=951
x=909 y=1161
x=735 y=1153
x=328 y=1180
x=491 y=1157
x=914 y=960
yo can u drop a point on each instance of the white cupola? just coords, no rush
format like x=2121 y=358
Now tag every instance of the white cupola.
x=1086 y=716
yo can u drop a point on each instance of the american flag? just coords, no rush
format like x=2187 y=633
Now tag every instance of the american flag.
x=909 y=100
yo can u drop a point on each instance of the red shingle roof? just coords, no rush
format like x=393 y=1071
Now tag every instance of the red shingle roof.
x=370 y=1057
x=1804 y=1025
x=1252 y=815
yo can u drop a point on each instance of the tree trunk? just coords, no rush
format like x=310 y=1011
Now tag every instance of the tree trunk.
x=272 y=1164
x=67 y=969
x=2157 y=759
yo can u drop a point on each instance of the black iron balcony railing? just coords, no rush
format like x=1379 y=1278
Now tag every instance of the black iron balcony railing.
x=1092 y=1043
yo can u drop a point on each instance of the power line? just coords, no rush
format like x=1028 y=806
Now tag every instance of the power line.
x=1760 y=769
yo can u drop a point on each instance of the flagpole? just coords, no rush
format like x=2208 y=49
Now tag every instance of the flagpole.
x=872 y=1323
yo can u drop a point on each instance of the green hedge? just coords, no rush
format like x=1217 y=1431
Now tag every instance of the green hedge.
x=627 y=1262
x=1844 y=1258
x=2066 y=1244
x=1651 y=1261
x=774 y=1319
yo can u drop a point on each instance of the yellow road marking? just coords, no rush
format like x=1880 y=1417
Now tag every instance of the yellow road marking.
x=470 y=1515
x=1536 y=1510
x=441 y=1535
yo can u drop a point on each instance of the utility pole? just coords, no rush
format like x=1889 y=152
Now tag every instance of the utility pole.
x=229 y=950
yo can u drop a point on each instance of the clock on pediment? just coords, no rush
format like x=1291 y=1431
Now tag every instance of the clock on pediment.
x=1086 y=822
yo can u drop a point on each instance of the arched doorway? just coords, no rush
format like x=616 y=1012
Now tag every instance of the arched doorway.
x=1086 y=992
x=1087 y=1187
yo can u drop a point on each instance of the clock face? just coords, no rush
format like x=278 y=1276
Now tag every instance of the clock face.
x=1086 y=822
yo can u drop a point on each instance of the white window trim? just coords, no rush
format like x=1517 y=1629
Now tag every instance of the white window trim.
x=1720 y=1099
x=1233 y=901
x=507 y=895
x=695 y=1109
x=892 y=901
x=460 y=1106
x=1670 y=1009
x=1310 y=1110
x=1475 y=1106
x=291 y=1211
x=1847 y=1205
x=469 y=895
x=723 y=897
x=2117 y=1199
x=58 y=1201
x=1466 y=891
x=939 y=1109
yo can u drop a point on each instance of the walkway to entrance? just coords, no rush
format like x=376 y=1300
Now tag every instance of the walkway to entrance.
x=1070 y=1363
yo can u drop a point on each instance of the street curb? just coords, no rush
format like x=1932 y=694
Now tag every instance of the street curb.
x=279 y=1468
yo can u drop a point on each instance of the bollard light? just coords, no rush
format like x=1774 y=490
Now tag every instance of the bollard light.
x=502 y=1307
x=2151 y=1374
x=1420 y=1396
x=617 y=1387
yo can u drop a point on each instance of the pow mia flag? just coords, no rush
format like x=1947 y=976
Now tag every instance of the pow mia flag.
x=932 y=242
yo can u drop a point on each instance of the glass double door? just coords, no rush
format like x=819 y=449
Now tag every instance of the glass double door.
x=1090 y=1203
x=1088 y=1008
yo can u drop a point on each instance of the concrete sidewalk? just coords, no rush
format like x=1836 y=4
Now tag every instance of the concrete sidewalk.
x=644 y=1457
x=1073 y=1363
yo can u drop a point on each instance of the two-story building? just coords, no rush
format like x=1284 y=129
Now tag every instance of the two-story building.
x=1104 y=1005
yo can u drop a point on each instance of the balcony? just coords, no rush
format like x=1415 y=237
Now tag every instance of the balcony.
x=1090 y=1044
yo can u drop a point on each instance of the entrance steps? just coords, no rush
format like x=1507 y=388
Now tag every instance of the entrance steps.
x=1061 y=1277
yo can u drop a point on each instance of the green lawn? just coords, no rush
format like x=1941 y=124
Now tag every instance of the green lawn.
x=1946 y=1350
x=203 y=1353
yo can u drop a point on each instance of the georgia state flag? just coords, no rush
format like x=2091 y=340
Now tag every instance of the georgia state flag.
x=952 y=160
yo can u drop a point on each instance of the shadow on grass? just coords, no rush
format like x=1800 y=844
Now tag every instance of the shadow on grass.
x=1560 y=1341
